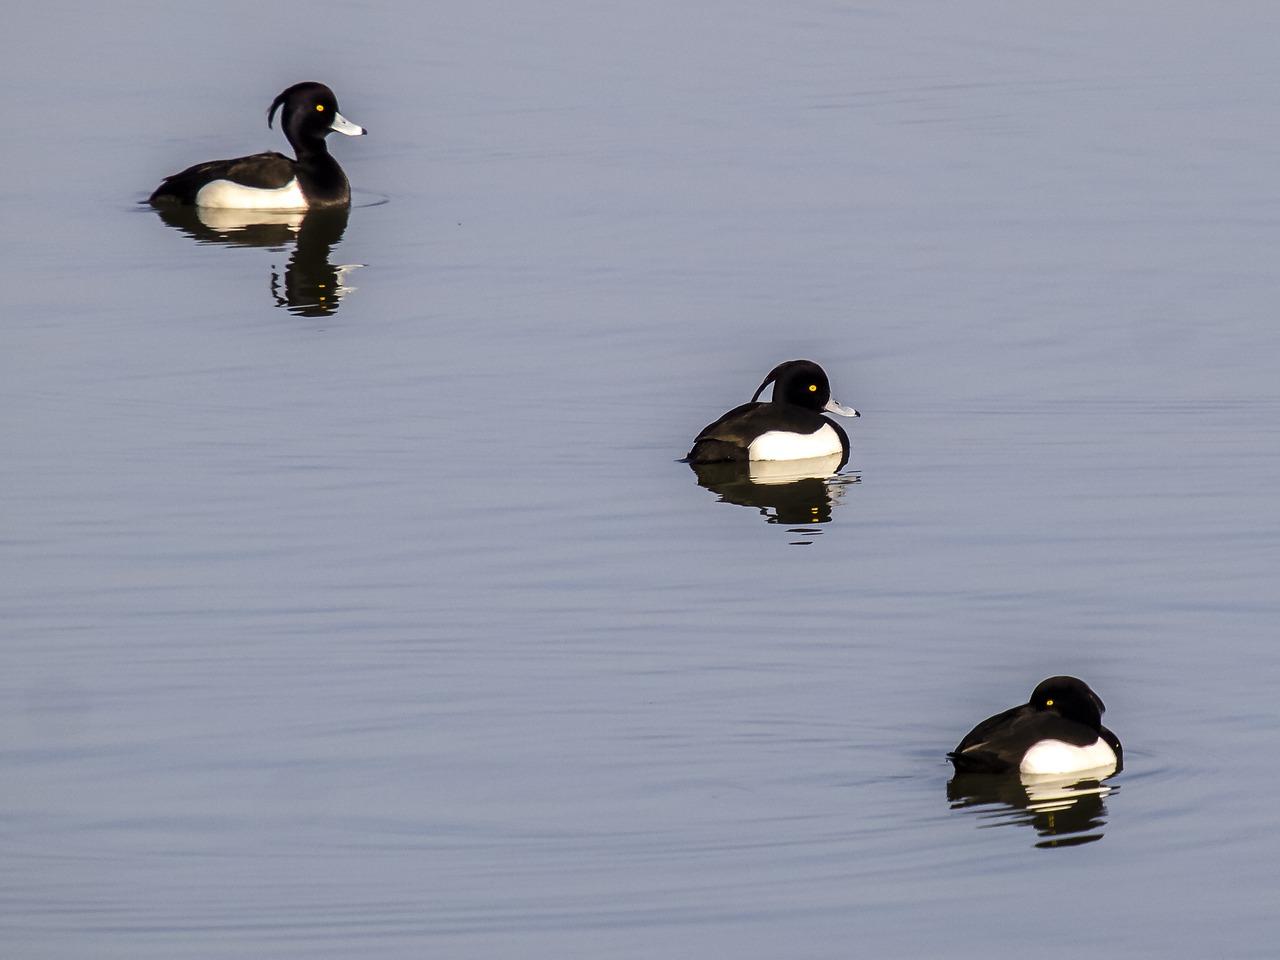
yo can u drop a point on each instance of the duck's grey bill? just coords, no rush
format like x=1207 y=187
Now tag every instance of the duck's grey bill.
x=342 y=125
x=834 y=407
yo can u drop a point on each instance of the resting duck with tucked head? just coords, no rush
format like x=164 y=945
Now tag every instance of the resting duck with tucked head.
x=271 y=181
x=791 y=426
x=1058 y=731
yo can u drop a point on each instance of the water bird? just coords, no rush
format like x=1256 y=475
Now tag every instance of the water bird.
x=1058 y=731
x=271 y=181
x=790 y=426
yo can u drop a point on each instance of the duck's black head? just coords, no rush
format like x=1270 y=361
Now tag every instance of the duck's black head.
x=309 y=113
x=804 y=384
x=1069 y=698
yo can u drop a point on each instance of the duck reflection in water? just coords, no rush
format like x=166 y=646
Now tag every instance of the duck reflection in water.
x=788 y=492
x=310 y=285
x=1064 y=810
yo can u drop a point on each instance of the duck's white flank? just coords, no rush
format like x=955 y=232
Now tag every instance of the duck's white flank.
x=781 y=445
x=236 y=196
x=1055 y=756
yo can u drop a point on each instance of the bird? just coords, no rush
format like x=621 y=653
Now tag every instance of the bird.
x=790 y=426
x=1058 y=731
x=271 y=181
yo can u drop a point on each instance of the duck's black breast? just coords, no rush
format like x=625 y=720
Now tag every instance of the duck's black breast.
x=998 y=744
x=322 y=179
x=729 y=439
x=262 y=171
x=1114 y=743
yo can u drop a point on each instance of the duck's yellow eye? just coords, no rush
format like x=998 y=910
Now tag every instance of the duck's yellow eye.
x=320 y=107
x=813 y=388
x=1048 y=703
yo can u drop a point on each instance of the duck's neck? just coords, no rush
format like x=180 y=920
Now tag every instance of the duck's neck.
x=319 y=175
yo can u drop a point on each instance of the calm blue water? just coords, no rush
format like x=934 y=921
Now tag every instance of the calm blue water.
x=355 y=603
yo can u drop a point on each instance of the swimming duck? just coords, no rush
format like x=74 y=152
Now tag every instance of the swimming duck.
x=790 y=426
x=271 y=181
x=1059 y=730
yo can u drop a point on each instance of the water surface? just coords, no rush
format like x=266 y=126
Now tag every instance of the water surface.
x=387 y=623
